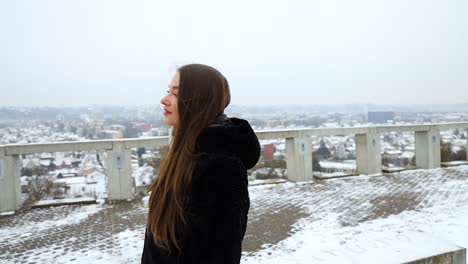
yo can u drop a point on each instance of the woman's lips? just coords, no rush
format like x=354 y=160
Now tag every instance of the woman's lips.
x=167 y=112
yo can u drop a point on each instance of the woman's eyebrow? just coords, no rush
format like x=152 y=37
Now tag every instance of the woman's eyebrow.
x=173 y=87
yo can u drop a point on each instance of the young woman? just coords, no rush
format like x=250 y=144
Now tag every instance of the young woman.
x=199 y=202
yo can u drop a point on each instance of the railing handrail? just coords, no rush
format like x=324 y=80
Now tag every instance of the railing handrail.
x=326 y=131
x=107 y=144
x=103 y=144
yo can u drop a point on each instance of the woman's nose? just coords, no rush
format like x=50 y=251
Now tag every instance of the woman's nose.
x=164 y=100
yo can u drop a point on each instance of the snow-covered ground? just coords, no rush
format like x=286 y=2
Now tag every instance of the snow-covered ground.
x=439 y=227
x=33 y=228
x=392 y=218
x=396 y=239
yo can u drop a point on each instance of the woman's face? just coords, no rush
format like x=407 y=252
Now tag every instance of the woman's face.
x=171 y=114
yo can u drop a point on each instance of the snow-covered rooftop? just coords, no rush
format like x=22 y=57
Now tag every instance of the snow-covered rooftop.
x=390 y=218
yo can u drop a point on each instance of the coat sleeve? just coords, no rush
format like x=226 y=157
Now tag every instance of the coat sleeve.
x=218 y=213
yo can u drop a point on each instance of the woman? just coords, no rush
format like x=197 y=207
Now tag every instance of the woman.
x=199 y=202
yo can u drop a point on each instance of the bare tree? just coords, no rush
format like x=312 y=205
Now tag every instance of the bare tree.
x=39 y=186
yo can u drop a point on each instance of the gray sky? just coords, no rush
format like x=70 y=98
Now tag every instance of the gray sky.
x=71 y=53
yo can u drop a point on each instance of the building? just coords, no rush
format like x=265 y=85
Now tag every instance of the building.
x=380 y=117
x=110 y=134
x=268 y=151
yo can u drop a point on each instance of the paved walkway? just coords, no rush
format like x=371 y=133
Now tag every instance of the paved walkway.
x=113 y=233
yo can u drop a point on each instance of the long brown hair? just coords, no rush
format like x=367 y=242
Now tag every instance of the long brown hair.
x=203 y=95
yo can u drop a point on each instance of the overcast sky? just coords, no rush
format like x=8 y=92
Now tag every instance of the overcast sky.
x=83 y=52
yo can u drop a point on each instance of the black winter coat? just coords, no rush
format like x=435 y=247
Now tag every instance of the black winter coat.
x=219 y=200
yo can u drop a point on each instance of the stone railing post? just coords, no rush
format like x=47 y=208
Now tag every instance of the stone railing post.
x=368 y=153
x=10 y=182
x=427 y=150
x=299 y=159
x=466 y=145
x=119 y=172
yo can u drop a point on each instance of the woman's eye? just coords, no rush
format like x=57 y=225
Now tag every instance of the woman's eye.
x=169 y=91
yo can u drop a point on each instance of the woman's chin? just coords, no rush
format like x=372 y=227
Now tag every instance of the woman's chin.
x=169 y=122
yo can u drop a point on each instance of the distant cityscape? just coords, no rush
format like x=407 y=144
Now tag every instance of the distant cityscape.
x=46 y=176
